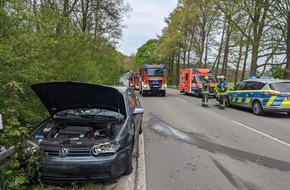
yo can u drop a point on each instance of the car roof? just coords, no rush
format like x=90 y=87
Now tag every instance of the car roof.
x=121 y=89
x=267 y=80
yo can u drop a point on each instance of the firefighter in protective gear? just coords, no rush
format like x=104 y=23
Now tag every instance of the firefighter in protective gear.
x=205 y=91
x=216 y=92
x=222 y=89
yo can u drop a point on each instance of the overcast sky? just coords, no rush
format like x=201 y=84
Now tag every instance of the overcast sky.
x=145 y=22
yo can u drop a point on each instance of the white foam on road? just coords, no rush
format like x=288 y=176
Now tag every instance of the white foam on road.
x=170 y=131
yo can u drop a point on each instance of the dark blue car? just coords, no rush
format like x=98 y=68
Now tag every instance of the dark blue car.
x=92 y=131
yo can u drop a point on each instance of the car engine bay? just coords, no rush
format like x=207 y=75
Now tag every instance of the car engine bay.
x=67 y=132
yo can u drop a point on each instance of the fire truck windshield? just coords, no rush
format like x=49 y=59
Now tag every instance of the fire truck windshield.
x=155 y=72
x=211 y=78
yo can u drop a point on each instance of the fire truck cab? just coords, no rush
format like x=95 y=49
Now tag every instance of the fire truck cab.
x=153 y=79
x=190 y=81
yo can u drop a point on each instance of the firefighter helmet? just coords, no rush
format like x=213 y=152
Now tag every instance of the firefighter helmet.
x=222 y=77
x=206 y=78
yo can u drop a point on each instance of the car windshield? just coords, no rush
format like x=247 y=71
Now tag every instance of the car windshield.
x=89 y=113
x=155 y=72
x=281 y=86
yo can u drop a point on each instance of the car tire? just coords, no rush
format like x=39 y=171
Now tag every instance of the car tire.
x=288 y=112
x=129 y=167
x=228 y=103
x=257 y=108
x=141 y=129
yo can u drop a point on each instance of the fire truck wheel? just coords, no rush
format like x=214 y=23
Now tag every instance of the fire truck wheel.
x=163 y=93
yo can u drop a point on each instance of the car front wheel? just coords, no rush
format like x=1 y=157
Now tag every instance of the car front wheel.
x=257 y=108
x=141 y=129
x=129 y=167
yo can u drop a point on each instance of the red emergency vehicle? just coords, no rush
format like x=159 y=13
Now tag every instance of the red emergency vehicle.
x=190 y=81
x=153 y=79
x=134 y=80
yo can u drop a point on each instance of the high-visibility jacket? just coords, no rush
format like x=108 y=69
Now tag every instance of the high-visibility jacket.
x=205 y=87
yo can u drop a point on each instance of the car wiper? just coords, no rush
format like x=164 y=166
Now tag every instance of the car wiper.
x=87 y=116
x=100 y=117
x=66 y=115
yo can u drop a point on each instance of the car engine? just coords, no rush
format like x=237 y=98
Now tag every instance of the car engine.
x=76 y=131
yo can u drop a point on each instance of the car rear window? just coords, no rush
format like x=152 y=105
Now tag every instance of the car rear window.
x=281 y=86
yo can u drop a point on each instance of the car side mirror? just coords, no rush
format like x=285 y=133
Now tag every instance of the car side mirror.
x=1 y=124
x=138 y=111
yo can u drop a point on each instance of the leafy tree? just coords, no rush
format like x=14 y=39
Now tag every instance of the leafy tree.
x=147 y=53
x=41 y=42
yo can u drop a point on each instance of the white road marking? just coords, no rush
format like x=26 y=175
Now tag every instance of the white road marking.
x=181 y=100
x=264 y=134
x=141 y=168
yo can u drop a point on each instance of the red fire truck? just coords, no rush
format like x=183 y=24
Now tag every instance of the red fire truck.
x=190 y=81
x=153 y=79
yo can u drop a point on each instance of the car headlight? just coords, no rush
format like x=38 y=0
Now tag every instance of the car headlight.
x=32 y=147
x=105 y=148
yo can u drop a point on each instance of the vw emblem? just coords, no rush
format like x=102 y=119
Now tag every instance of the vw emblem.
x=63 y=152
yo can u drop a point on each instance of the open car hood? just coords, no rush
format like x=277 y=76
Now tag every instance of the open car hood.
x=57 y=96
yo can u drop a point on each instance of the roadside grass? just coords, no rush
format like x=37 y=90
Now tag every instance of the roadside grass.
x=230 y=85
x=73 y=186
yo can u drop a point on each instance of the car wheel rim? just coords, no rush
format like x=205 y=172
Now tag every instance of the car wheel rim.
x=256 y=108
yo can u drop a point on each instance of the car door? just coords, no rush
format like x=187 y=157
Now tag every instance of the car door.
x=235 y=94
x=247 y=94
x=136 y=120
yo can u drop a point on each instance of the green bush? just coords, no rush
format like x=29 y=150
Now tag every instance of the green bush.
x=23 y=167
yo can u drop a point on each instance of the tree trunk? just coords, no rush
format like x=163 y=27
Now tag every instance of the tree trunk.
x=287 y=69
x=216 y=70
x=245 y=61
x=177 y=67
x=188 y=58
x=226 y=53
x=203 y=33
x=255 y=52
x=239 y=60
x=206 y=50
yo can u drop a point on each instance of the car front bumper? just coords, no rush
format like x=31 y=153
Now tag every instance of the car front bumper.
x=276 y=109
x=55 y=169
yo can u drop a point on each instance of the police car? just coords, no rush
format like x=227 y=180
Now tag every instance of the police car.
x=261 y=95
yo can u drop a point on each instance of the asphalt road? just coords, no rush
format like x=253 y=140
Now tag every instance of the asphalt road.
x=191 y=147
